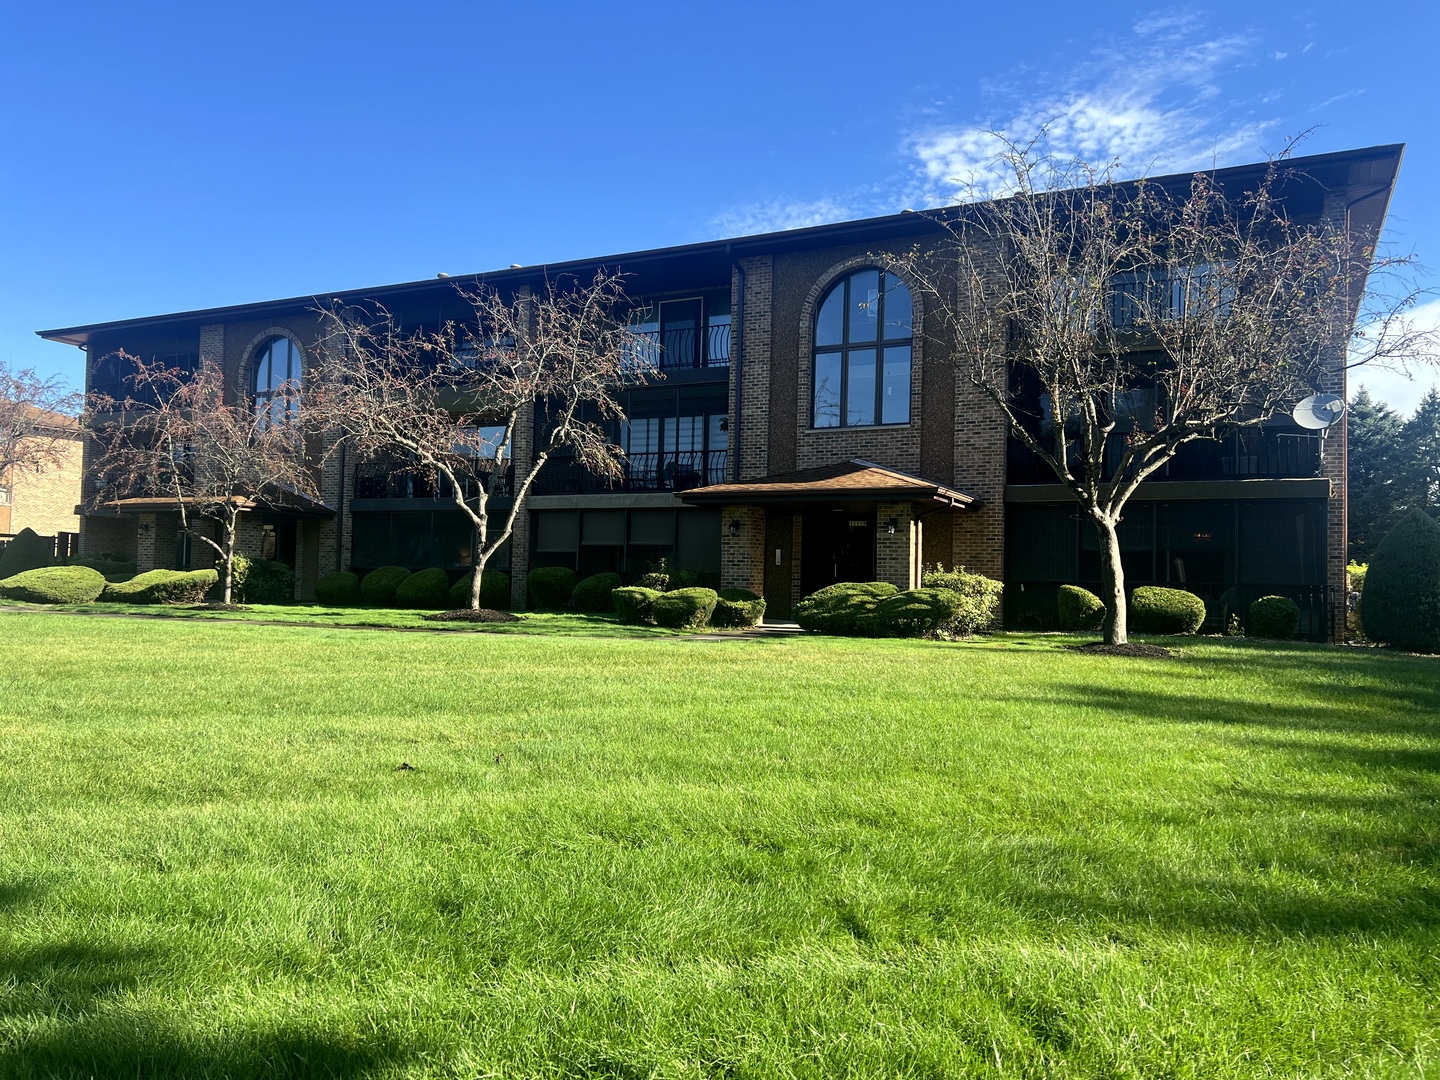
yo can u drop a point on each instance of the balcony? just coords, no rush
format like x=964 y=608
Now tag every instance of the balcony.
x=380 y=481
x=669 y=471
x=684 y=348
x=1241 y=455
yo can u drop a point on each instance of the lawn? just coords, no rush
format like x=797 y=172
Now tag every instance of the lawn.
x=675 y=857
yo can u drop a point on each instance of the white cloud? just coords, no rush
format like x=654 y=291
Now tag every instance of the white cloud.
x=777 y=214
x=1151 y=102
x=1400 y=391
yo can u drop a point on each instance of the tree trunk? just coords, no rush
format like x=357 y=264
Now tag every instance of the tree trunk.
x=1112 y=582
x=228 y=523
x=480 y=558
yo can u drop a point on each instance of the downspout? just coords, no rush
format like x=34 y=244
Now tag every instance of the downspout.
x=738 y=359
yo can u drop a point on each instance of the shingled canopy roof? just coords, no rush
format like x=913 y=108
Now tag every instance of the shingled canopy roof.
x=849 y=481
x=275 y=500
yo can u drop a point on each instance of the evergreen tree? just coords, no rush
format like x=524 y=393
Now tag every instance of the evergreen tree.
x=1419 y=472
x=1376 y=458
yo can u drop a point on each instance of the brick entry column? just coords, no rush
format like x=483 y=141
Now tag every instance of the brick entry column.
x=897 y=557
x=742 y=556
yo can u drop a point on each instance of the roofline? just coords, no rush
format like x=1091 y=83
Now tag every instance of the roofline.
x=906 y=220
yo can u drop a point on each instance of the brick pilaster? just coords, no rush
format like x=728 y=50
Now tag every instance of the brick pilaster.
x=742 y=556
x=895 y=556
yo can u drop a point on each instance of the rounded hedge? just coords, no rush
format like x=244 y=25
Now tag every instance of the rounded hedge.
x=266 y=581
x=113 y=567
x=1079 y=609
x=595 y=593
x=1155 y=610
x=633 y=603
x=550 y=587
x=338 y=589
x=377 y=588
x=1401 y=601
x=28 y=551
x=54 y=585
x=737 y=608
x=1274 y=617
x=841 y=608
x=429 y=588
x=913 y=613
x=494 y=590
x=684 y=608
x=163 y=587
x=979 y=597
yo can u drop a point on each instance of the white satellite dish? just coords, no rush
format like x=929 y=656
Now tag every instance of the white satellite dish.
x=1318 y=411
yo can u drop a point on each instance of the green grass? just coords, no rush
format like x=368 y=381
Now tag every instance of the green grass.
x=676 y=857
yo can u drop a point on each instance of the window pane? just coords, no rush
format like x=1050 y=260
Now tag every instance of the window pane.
x=864 y=305
x=860 y=387
x=898 y=309
x=830 y=323
x=719 y=437
x=827 y=390
x=895 y=393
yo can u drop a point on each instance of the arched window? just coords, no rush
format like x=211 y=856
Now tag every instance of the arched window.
x=276 y=363
x=862 y=352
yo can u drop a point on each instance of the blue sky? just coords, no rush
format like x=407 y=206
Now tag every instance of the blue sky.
x=161 y=157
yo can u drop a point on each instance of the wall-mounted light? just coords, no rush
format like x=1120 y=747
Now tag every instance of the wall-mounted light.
x=891 y=526
x=735 y=527
x=143 y=528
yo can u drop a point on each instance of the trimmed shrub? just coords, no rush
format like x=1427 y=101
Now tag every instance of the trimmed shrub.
x=113 y=567
x=655 y=581
x=265 y=582
x=1356 y=573
x=913 y=613
x=550 y=587
x=428 y=588
x=1079 y=609
x=54 y=585
x=594 y=593
x=1155 y=610
x=1274 y=617
x=1401 y=601
x=338 y=589
x=377 y=588
x=163 y=587
x=684 y=608
x=633 y=603
x=737 y=608
x=28 y=551
x=239 y=573
x=841 y=608
x=979 y=597
x=494 y=591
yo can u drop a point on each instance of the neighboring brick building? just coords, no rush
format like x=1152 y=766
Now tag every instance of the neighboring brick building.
x=46 y=499
x=807 y=430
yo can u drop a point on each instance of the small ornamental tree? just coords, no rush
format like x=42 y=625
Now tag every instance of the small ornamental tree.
x=36 y=420
x=178 y=438
x=1111 y=323
x=448 y=404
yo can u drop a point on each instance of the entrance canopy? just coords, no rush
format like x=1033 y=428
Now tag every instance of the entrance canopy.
x=855 y=480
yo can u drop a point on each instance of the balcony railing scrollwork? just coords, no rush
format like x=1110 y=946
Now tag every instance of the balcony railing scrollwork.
x=667 y=471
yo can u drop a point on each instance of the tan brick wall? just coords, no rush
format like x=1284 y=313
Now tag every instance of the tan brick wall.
x=896 y=556
x=742 y=556
x=44 y=499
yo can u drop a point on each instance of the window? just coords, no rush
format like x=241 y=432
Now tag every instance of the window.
x=277 y=362
x=862 y=352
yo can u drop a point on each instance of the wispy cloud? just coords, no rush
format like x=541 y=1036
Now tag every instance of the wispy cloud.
x=1153 y=101
x=776 y=214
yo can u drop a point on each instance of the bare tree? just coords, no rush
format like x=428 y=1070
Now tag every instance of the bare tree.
x=1112 y=323
x=36 y=419
x=177 y=437
x=448 y=403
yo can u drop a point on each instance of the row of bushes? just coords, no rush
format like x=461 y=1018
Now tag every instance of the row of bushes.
x=82 y=584
x=395 y=586
x=1157 y=610
x=949 y=602
x=688 y=608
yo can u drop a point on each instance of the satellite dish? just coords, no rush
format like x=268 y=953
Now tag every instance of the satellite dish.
x=1318 y=411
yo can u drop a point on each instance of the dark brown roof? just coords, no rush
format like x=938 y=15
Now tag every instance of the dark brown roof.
x=844 y=480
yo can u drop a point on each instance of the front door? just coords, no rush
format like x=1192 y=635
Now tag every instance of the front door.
x=836 y=545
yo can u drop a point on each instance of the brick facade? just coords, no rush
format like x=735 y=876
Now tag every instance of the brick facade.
x=44 y=499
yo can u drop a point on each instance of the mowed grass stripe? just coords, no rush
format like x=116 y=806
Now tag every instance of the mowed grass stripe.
x=667 y=857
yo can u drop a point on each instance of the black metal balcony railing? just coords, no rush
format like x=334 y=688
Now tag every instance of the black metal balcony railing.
x=669 y=471
x=373 y=481
x=1241 y=455
x=672 y=350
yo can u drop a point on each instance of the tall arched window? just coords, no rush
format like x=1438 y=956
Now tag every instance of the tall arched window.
x=277 y=362
x=862 y=352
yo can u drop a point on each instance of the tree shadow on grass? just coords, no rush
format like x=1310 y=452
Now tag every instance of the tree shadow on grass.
x=65 y=1012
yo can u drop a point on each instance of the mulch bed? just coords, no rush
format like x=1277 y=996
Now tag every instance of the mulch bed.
x=220 y=607
x=1130 y=648
x=472 y=615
